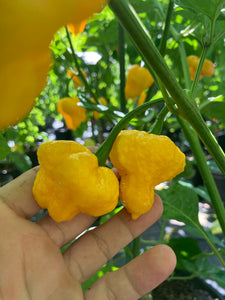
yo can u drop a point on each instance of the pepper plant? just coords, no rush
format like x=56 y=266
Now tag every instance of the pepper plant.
x=158 y=35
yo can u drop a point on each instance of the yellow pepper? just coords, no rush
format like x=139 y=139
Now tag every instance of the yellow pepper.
x=73 y=114
x=70 y=182
x=138 y=79
x=207 y=68
x=26 y=30
x=142 y=98
x=76 y=80
x=144 y=161
x=77 y=28
x=103 y=101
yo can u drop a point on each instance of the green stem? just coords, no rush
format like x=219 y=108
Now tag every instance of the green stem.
x=198 y=71
x=80 y=73
x=204 y=170
x=186 y=108
x=183 y=277
x=157 y=126
x=162 y=46
x=136 y=246
x=184 y=63
x=212 y=246
x=197 y=151
x=121 y=54
x=103 y=151
x=219 y=36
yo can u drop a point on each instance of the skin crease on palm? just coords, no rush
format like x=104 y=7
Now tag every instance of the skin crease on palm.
x=32 y=266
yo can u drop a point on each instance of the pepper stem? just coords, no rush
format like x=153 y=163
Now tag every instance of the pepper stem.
x=103 y=151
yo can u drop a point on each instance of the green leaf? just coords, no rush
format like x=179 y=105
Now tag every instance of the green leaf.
x=208 y=270
x=214 y=110
x=195 y=233
x=4 y=148
x=185 y=249
x=210 y=8
x=181 y=204
x=21 y=161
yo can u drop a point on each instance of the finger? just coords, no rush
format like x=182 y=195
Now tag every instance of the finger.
x=63 y=232
x=137 y=278
x=96 y=247
x=17 y=194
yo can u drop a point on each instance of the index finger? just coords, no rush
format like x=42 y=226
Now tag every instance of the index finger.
x=17 y=194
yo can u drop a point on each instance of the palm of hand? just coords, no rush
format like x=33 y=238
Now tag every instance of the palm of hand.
x=33 y=267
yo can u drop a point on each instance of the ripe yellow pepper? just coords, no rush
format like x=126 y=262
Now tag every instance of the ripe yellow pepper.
x=76 y=29
x=26 y=30
x=70 y=181
x=144 y=161
x=207 y=68
x=142 y=98
x=73 y=114
x=103 y=101
x=76 y=80
x=138 y=79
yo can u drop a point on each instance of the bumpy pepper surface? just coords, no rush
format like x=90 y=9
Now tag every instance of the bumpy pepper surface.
x=26 y=30
x=70 y=181
x=144 y=161
x=138 y=79
x=207 y=68
x=73 y=114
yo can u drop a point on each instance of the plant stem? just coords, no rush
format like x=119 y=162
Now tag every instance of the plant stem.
x=184 y=64
x=212 y=246
x=204 y=170
x=80 y=73
x=198 y=71
x=157 y=126
x=196 y=148
x=136 y=246
x=186 y=108
x=103 y=151
x=121 y=54
x=162 y=45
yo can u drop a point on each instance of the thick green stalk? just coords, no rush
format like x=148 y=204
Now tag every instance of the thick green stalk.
x=103 y=151
x=186 y=108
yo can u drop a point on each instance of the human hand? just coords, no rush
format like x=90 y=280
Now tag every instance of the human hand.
x=33 y=267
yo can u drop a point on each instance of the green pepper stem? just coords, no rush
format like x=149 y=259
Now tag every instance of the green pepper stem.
x=103 y=151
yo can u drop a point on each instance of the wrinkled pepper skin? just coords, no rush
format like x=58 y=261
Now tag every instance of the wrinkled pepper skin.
x=207 y=68
x=144 y=161
x=70 y=182
x=26 y=30
x=73 y=114
x=138 y=79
